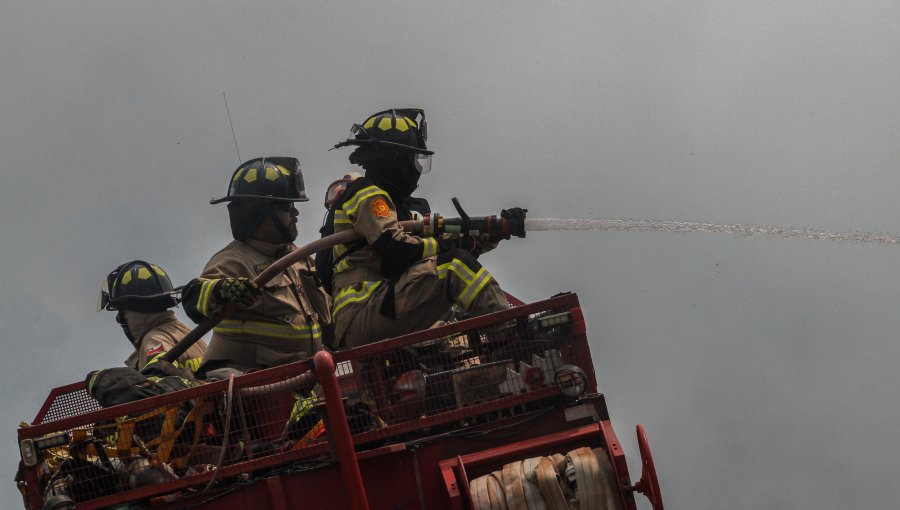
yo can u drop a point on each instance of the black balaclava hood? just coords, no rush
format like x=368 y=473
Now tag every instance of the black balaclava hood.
x=120 y=318
x=390 y=169
x=247 y=215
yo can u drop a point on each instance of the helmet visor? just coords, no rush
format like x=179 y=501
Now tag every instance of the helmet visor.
x=103 y=300
x=422 y=162
x=358 y=132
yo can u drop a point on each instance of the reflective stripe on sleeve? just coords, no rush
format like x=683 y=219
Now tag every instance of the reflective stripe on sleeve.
x=429 y=247
x=351 y=294
x=90 y=385
x=205 y=293
x=350 y=206
x=340 y=217
x=269 y=329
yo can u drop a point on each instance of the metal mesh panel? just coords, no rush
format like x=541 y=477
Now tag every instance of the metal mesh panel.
x=455 y=372
x=70 y=404
x=151 y=442
x=389 y=389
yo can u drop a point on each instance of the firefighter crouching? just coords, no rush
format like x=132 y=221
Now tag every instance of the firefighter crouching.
x=142 y=295
x=391 y=282
x=282 y=322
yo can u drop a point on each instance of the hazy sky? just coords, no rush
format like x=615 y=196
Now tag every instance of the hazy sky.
x=763 y=369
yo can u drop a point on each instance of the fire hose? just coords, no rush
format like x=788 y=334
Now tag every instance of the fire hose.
x=432 y=225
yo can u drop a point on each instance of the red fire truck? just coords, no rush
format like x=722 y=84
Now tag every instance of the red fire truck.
x=497 y=411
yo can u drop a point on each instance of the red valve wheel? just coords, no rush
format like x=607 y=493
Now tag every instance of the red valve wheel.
x=648 y=485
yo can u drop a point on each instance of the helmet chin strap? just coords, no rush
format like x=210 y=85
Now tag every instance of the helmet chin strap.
x=283 y=230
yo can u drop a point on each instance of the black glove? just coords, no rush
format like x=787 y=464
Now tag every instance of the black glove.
x=240 y=291
x=472 y=245
x=468 y=243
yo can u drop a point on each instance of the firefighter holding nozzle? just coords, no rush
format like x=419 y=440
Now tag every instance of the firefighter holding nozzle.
x=392 y=282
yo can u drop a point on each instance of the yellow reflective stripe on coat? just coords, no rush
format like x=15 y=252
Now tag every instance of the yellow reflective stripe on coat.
x=344 y=264
x=269 y=329
x=302 y=406
x=482 y=277
x=205 y=293
x=429 y=247
x=350 y=206
x=473 y=282
x=340 y=218
x=156 y=358
x=351 y=294
x=192 y=364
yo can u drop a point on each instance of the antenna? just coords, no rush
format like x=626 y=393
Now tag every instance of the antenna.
x=232 y=128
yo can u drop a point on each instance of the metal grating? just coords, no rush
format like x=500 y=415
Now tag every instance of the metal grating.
x=398 y=388
x=70 y=404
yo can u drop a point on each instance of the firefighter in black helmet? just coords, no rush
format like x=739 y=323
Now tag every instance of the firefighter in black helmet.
x=283 y=322
x=394 y=282
x=142 y=295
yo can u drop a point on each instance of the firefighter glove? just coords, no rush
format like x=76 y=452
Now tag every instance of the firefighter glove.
x=476 y=246
x=240 y=291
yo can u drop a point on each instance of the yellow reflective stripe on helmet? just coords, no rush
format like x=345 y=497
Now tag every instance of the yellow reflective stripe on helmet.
x=349 y=295
x=203 y=299
x=429 y=247
x=473 y=282
x=269 y=329
x=351 y=205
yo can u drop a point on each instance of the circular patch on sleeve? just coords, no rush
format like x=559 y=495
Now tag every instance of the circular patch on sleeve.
x=380 y=208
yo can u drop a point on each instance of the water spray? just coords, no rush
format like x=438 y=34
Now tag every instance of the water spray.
x=577 y=224
x=505 y=226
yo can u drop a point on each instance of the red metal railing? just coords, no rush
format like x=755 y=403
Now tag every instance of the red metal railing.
x=424 y=383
